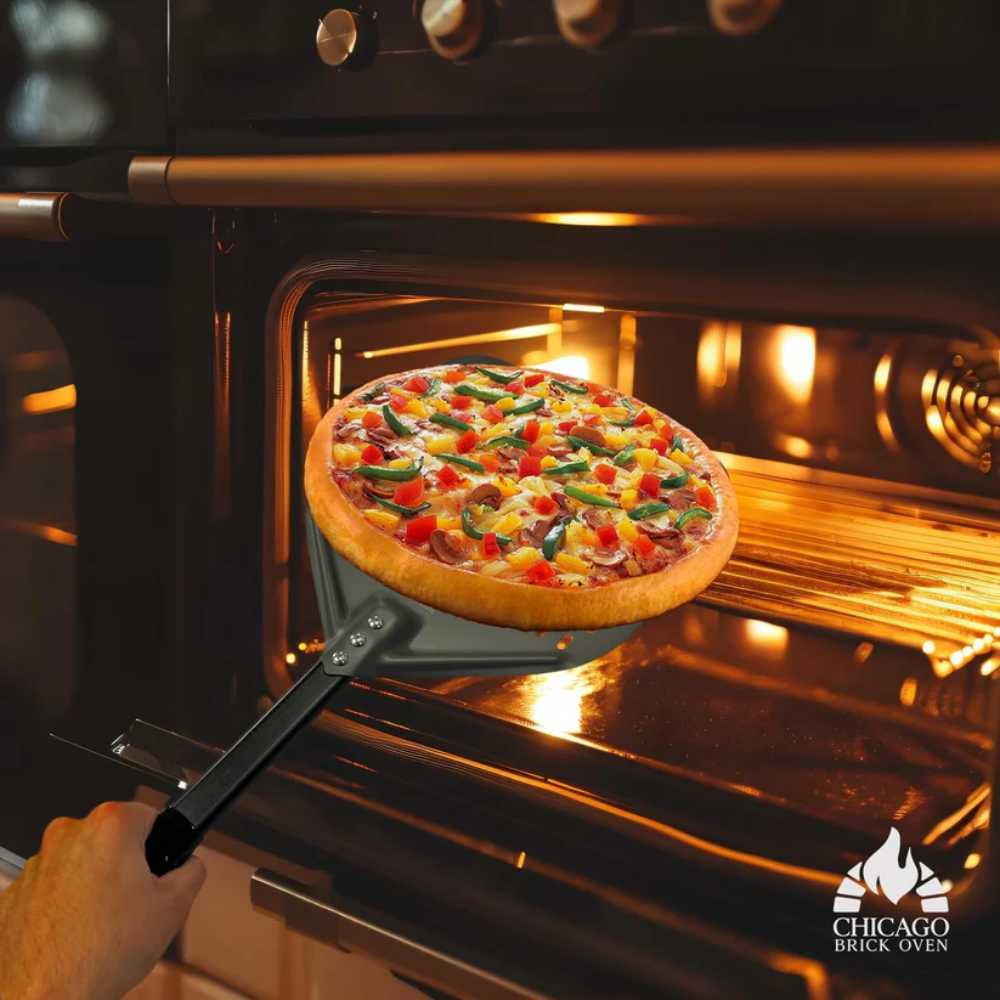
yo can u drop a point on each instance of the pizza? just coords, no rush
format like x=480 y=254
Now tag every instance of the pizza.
x=521 y=498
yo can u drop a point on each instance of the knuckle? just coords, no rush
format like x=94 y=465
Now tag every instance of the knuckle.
x=106 y=812
x=55 y=829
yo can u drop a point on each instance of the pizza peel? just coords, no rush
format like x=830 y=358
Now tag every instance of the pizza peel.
x=371 y=631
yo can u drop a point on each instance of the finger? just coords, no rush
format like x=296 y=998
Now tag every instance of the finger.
x=55 y=831
x=185 y=883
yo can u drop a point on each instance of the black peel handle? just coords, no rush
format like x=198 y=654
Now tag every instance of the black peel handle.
x=170 y=843
x=360 y=647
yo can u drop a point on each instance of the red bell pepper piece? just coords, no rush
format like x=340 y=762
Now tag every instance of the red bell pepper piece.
x=530 y=465
x=644 y=418
x=643 y=546
x=540 y=571
x=466 y=442
x=419 y=529
x=608 y=535
x=490 y=545
x=371 y=419
x=530 y=431
x=650 y=484
x=416 y=384
x=371 y=455
x=454 y=376
x=408 y=494
x=567 y=425
x=488 y=461
x=460 y=402
x=533 y=378
x=493 y=414
x=604 y=399
x=544 y=505
x=706 y=497
x=448 y=477
x=604 y=473
x=398 y=403
x=659 y=445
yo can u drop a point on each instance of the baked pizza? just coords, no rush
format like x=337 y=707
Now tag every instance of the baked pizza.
x=520 y=498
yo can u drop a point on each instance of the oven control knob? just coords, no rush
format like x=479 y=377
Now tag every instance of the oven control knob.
x=588 y=23
x=742 y=17
x=345 y=39
x=455 y=28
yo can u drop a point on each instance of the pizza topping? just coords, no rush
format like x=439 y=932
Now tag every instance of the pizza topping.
x=397 y=475
x=447 y=547
x=420 y=529
x=395 y=424
x=554 y=538
x=486 y=494
x=575 y=472
x=691 y=514
x=584 y=497
x=447 y=420
x=402 y=509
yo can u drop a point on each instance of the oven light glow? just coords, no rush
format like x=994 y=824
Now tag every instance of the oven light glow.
x=766 y=636
x=908 y=692
x=63 y=397
x=989 y=666
x=797 y=361
x=182 y=785
x=972 y=860
x=571 y=365
x=792 y=444
x=291 y=659
x=590 y=218
x=576 y=307
x=514 y=333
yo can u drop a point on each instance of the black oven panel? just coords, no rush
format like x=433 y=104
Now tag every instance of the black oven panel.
x=699 y=65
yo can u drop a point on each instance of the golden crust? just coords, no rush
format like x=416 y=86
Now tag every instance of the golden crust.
x=509 y=603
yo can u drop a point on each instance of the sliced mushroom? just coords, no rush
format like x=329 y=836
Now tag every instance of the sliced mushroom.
x=658 y=533
x=559 y=450
x=535 y=535
x=487 y=494
x=377 y=490
x=608 y=557
x=510 y=454
x=562 y=500
x=447 y=547
x=347 y=430
x=594 y=518
x=591 y=434
x=379 y=435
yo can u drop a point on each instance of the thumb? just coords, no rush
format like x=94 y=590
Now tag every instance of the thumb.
x=184 y=883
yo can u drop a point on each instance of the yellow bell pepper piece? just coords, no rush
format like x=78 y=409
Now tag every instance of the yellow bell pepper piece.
x=399 y=463
x=507 y=403
x=680 y=457
x=626 y=529
x=417 y=408
x=645 y=457
x=590 y=408
x=548 y=462
x=347 y=454
x=507 y=487
x=545 y=428
x=561 y=406
x=440 y=443
x=383 y=518
x=615 y=439
x=572 y=564
x=355 y=412
x=628 y=499
x=524 y=557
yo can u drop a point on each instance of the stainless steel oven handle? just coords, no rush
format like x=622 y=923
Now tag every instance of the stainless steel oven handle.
x=336 y=925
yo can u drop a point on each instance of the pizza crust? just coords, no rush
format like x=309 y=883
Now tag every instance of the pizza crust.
x=509 y=603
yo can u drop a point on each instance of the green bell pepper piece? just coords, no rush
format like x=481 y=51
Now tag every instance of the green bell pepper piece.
x=508 y=440
x=395 y=424
x=592 y=498
x=579 y=390
x=553 y=540
x=674 y=482
x=691 y=514
x=499 y=376
x=625 y=455
x=447 y=420
x=401 y=508
x=469 y=527
x=594 y=449
x=535 y=404
x=469 y=463
x=395 y=475
x=486 y=395
x=651 y=509
x=566 y=469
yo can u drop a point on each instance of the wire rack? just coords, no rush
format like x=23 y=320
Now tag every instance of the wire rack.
x=866 y=558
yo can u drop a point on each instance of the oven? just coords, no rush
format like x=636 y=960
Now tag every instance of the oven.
x=692 y=814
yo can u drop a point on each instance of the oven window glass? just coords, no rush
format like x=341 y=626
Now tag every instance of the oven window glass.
x=37 y=522
x=841 y=664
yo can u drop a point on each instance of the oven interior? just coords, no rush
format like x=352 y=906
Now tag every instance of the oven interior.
x=841 y=667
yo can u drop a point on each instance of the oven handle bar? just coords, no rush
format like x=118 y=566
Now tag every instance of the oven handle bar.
x=29 y=216
x=337 y=925
x=925 y=187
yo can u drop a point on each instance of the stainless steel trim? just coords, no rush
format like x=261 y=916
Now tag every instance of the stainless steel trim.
x=922 y=187
x=336 y=925
x=28 y=216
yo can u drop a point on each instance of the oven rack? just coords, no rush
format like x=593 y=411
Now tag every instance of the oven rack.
x=864 y=558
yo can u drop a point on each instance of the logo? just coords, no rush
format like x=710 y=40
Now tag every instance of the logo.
x=882 y=875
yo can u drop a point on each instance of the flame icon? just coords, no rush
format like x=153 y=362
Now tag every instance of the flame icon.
x=882 y=871
x=882 y=874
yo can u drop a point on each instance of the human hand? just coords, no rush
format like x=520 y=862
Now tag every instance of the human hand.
x=87 y=920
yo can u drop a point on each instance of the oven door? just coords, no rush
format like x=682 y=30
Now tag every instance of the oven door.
x=622 y=827
x=85 y=504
